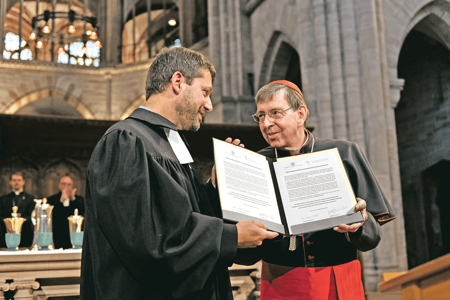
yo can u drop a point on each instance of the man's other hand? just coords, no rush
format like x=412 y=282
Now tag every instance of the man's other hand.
x=252 y=234
x=359 y=206
x=68 y=193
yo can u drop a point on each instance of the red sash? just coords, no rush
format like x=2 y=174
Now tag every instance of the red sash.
x=322 y=283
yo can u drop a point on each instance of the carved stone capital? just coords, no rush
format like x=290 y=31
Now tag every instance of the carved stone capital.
x=4 y=286
x=24 y=285
x=24 y=288
x=396 y=86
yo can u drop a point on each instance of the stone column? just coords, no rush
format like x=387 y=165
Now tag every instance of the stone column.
x=305 y=34
x=2 y=26
x=392 y=88
x=111 y=32
x=336 y=72
x=231 y=53
x=379 y=126
x=108 y=102
x=214 y=56
x=323 y=72
x=352 y=73
x=186 y=14
x=390 y=97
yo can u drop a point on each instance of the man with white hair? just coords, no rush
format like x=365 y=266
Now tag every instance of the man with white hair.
x=64 y=204
x=321 y=264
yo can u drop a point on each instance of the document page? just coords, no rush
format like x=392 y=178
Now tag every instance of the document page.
x=315 y=191
x=245 y=186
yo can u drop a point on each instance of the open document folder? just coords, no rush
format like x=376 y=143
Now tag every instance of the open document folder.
x=291 y=195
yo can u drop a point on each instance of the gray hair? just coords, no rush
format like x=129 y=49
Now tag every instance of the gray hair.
x=188 y=62
x=294 y=98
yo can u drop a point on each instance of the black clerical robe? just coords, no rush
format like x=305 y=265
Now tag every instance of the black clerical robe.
x=328 y=247
x=60 y=223
x=333 y=255
x=25 y=206
x=153 y=229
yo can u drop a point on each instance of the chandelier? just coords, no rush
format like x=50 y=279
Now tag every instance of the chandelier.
x=61 y=35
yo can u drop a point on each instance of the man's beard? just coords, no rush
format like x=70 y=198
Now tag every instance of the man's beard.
x=187 y=112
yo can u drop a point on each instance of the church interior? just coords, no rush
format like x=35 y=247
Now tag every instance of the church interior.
x=374 y=72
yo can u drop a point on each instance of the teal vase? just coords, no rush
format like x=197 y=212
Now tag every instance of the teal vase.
x=44 y=240
x=77 y=239
x=12 y=241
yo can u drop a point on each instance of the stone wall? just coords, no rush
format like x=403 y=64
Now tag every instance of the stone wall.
x=346 y=86
x=103 y=93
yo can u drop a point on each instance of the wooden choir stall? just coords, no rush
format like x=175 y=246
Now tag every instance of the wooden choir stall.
x=430 y=281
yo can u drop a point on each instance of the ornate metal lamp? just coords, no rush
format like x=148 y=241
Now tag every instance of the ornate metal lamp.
x=44 y=29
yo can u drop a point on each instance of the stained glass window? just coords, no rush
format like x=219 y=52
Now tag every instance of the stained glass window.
x=74 y=54
x=12 y=48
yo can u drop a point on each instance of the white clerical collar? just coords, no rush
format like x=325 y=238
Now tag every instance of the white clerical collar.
x=17 y=193
x=293 y=152
x=144 y=107
x=177 y=144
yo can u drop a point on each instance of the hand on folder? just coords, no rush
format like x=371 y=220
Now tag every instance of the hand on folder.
x=359 y=206
x=252 y=234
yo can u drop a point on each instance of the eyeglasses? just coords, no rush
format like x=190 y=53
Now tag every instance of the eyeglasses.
x=273 y=115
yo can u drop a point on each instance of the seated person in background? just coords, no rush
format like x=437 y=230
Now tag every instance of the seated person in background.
x=25 y=204
x=65 y=203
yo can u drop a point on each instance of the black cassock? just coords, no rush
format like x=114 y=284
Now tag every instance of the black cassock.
x=328 y=247
x=153 y=230
x=60 y=223
x=25 y=206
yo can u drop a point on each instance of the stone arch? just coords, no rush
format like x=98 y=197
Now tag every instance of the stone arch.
x=138 y=102
x=53 y=173
x=280 y=61
x=434 y=16
x=47 y=93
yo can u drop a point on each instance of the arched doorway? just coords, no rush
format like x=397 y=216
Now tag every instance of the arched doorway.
x=287 y=65
x=422 y=122
x=281 y=61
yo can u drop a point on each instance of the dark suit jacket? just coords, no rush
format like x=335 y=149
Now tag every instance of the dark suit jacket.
x=25 y=205
x=60 y=223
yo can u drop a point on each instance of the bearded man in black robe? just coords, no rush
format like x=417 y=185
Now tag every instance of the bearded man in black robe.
x=153 y=229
